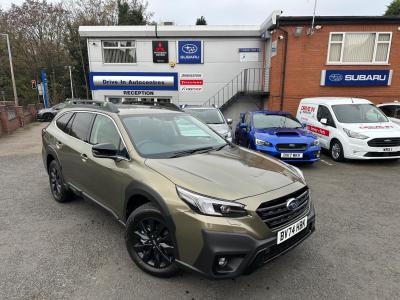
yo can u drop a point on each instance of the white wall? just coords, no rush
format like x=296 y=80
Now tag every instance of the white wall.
x=221 y=64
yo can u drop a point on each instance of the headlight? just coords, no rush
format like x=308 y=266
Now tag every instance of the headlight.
x=355 y=135
x=262 y=143
x=212 y=207
x=315 y=142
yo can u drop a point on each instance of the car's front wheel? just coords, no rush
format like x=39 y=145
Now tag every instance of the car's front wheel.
x=337 y=151
x=150 y=242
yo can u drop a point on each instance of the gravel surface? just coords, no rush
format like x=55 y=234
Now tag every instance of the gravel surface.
x=76 y=251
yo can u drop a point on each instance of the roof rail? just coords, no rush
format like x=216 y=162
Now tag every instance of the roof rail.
x=103 y=105
x=162 y=105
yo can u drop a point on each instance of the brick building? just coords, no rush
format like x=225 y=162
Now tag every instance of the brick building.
x=342 y=56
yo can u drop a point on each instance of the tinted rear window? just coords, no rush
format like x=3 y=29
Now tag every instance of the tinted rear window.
x=63 y=121
x=81 y=126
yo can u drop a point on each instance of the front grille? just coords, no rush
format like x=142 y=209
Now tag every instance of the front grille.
x=384 y=142
x=294 y=147
x=382 y=154
x=274 y=213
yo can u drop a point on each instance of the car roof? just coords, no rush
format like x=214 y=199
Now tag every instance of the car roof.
x=334 y=100
x=199 y=107
x=389 y=103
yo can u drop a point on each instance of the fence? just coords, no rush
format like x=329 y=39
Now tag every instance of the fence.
x=12 y=117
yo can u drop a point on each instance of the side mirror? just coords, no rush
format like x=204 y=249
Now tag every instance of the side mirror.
x=243 y=125
x=229 y=121
x=324 y=121
x=105 y=151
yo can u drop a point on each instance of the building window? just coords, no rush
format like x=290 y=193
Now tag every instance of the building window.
x=359 y=47
x=119 y=52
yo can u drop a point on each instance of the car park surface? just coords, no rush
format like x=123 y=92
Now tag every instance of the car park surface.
x=75 y=251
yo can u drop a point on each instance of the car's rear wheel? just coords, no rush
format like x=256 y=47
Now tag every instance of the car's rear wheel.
x=57 y=185
x=337 y=151
x=150 y=242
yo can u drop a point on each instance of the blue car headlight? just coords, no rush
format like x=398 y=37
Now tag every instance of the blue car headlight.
x=262 y=143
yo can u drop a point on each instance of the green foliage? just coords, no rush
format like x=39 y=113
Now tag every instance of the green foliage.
x=133 y=12
x=393 y=9
x=201 y=21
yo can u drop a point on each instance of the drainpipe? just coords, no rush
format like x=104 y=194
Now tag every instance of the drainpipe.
x=285 y=51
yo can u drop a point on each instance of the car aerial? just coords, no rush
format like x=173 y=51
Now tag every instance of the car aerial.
x=47 y=114
x=278 y=134
x=391 y=110
x=213 y=117
x=187 y=198
x=351 y=128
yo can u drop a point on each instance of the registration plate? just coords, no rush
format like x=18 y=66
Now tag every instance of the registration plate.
x=291 y=155
x=292 y=230
x=388 y=150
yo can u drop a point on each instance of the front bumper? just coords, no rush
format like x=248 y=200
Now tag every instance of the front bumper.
x=359 y=149
x=243 y=252
x=311 y=154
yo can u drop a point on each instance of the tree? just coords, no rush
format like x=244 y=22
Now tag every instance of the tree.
x=133 y=12
x=201 y=21
x=393 y=9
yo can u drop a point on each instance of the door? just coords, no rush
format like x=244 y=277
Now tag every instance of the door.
x=324 y=131
x=108 y=177
x=243 y=132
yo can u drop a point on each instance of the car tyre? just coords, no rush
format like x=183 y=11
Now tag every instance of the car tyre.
x=150 y=242
x=336 y=151
x=58 y=187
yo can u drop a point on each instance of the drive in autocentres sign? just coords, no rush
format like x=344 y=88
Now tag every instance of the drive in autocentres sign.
x=190 y=52
x=167 y=81
x=358 y=78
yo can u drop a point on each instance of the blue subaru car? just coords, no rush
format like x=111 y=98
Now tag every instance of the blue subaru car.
x=278 y=134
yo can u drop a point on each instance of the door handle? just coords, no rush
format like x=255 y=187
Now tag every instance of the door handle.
x=84 y=157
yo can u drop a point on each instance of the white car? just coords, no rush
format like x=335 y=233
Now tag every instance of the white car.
x=351 y=128
x=392 y=111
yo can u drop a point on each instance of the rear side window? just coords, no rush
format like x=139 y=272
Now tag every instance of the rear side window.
x=62 y=121
x=81 y=126
x=389 y=110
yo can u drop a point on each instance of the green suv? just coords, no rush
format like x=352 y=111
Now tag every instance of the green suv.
x=187 y=197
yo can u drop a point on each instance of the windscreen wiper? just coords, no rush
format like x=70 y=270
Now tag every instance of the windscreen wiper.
x=191 y=151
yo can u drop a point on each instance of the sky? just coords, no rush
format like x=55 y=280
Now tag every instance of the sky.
x=185 y=12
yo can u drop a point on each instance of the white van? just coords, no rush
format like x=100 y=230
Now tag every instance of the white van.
x=351 y=128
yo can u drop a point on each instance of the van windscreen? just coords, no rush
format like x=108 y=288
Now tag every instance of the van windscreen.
x=358 y=113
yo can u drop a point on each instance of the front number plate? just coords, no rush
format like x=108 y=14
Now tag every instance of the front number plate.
x=292 y=230
x=291 y=155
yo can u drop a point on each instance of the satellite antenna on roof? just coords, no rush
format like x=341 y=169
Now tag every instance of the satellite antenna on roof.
x=312 y=29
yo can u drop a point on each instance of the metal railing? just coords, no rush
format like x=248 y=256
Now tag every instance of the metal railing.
x=11 y=113
x=247 y=81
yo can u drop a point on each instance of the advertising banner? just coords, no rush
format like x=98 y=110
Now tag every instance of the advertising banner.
x=191 y=82
x=160 y=52
x=358 y=78
x=45 y=95
x=167 y=81
x=190 y=52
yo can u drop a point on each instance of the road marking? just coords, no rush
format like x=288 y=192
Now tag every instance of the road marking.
x=325 y=162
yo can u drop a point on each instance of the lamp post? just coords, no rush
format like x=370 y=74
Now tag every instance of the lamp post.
x=70 y=79
x=12 y=69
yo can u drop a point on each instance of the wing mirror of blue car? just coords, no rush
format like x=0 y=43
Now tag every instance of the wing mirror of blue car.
x=243 y=125
x=105 y=151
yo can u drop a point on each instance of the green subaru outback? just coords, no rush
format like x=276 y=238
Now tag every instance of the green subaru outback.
x=187 y=197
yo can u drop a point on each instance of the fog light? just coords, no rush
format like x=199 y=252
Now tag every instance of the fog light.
x=318 y=154
x=222 y=262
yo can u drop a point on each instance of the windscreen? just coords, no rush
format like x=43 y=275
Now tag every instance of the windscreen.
x=208 y=116
x=262 y=121
x=358 y=113
x=167 y=135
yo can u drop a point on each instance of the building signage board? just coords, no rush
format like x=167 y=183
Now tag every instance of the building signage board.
x=45 y=94
x=138 y=93
x=190 y=52
x=360 y=78
x=249 y=50
x=160 y=52
x=167 y=81
x=274 y=48
x=191 y=82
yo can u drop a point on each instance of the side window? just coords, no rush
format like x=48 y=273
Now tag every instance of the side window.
x=62 y=121
x=397 y=113
x=105 y=132
x=81 y=125
x=324 y=113
x=388 y=110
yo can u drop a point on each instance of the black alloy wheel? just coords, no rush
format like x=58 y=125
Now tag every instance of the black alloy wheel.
x=58 y=189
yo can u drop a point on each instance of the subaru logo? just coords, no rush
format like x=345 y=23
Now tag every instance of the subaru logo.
x=336 y=77
x=292 y=145
x=292 y=204
x=189 y=48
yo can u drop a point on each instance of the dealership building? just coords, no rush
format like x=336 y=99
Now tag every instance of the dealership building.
x=245 y=67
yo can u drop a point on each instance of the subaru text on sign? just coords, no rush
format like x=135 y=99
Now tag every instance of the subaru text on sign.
x=356 y=77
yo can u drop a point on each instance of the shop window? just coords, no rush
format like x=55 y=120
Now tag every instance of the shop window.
x=119 y=52
x=359 y=47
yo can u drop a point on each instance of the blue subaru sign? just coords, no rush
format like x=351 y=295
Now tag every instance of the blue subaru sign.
x=190 y=52
x=356 y=77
